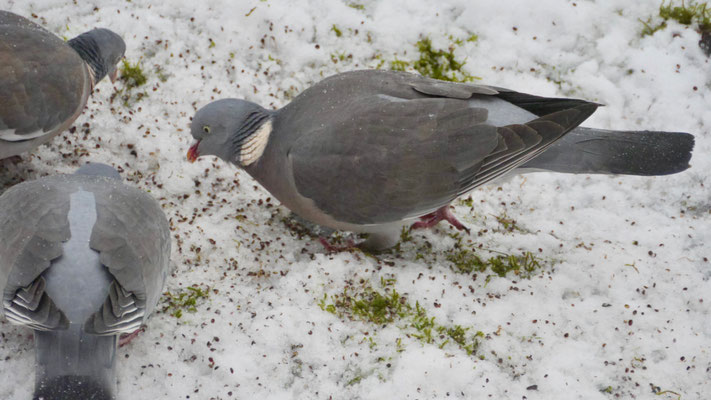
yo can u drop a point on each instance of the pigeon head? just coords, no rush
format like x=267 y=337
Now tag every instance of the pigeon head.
x=234 y=130
x=101 y=49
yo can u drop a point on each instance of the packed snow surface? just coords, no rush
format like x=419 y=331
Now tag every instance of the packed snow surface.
x=619 y=307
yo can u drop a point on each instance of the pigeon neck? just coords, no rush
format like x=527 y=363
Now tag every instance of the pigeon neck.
x=252 y=137
x=88 y=50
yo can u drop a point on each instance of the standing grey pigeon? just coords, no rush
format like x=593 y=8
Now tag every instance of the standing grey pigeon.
x=368 y=151
x=83 y=259
x=45 y=82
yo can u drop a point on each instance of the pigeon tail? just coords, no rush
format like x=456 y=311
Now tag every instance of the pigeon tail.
x=600 y=151
x=72 y=364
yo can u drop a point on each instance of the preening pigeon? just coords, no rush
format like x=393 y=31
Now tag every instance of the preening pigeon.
x=83 y=258
x=368 y=151
x=45 y=82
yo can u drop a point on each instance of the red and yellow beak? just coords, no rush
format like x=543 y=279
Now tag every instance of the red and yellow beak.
x=193 y=151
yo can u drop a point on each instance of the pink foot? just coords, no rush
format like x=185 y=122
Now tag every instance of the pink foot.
x=442 y=214
x=14 y=160
x=350 y=245
x=126 y=338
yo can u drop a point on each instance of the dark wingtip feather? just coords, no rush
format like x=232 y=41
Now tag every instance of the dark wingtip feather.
x=542 y=106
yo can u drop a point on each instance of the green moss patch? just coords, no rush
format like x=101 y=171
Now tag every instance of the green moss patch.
x=337 y=31
x=686 y=14
x=435 y=63
x=132 y=76
x=385 y=306
x=183 y=300
x=467 y=261
x=683 y=13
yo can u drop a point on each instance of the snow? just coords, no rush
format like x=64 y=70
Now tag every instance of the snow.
x=603 y=312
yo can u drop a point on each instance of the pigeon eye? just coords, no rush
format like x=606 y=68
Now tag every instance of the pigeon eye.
x=206 y=129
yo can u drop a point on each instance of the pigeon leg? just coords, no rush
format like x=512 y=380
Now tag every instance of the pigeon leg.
x=12 y=160
x=127 y=337
x=332 y=248
x=442 y=214
x=380 y=241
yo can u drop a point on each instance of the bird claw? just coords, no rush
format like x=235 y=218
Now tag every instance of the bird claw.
x=12 y=160
x=442 y=214
x=126 y=338
x=331 y=248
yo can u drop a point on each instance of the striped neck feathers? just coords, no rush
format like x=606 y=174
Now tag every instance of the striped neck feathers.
x=88 y=50
x=252 y=138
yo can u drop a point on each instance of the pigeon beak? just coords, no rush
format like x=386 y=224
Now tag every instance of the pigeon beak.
x=193 y=152
x=113 y=74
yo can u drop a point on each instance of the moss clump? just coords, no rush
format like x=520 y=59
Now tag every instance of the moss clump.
x=607 y=390
x=354 y=381
x=509 y=224
x=132 y=75
x=685 y=14
x=469 y=202
x=399 y=65
x=382 y=307
x=185 y=299
x=337 y=31
x=458 y=41
x=356 y=6
x=437 y=63
x=405 y=235
x=466 y=261
x=649 y=27
x=340 y=56
x=376 y=307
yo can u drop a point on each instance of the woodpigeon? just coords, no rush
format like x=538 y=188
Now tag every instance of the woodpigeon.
x=45 y=82
x=368 y=151
x=83 y=259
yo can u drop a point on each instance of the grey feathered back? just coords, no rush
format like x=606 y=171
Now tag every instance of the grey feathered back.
x=11 y=19
x=44 y=85
x=401 y=145
x=131 y=234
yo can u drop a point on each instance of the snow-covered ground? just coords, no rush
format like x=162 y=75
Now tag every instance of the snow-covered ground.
x=619 y=309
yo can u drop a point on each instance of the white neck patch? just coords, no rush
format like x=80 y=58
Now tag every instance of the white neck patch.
x=254 y=146
x=92 y=78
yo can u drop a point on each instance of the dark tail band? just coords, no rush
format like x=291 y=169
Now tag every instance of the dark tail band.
x=598 y=151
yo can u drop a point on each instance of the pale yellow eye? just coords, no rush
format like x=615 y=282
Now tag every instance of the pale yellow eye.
x=206 y=129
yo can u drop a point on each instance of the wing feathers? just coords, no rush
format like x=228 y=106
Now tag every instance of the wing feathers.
x=407 y=152
x=537 y=136
x=434 y=87
x=120 y=313
x=33 y=308
x=409 y=145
